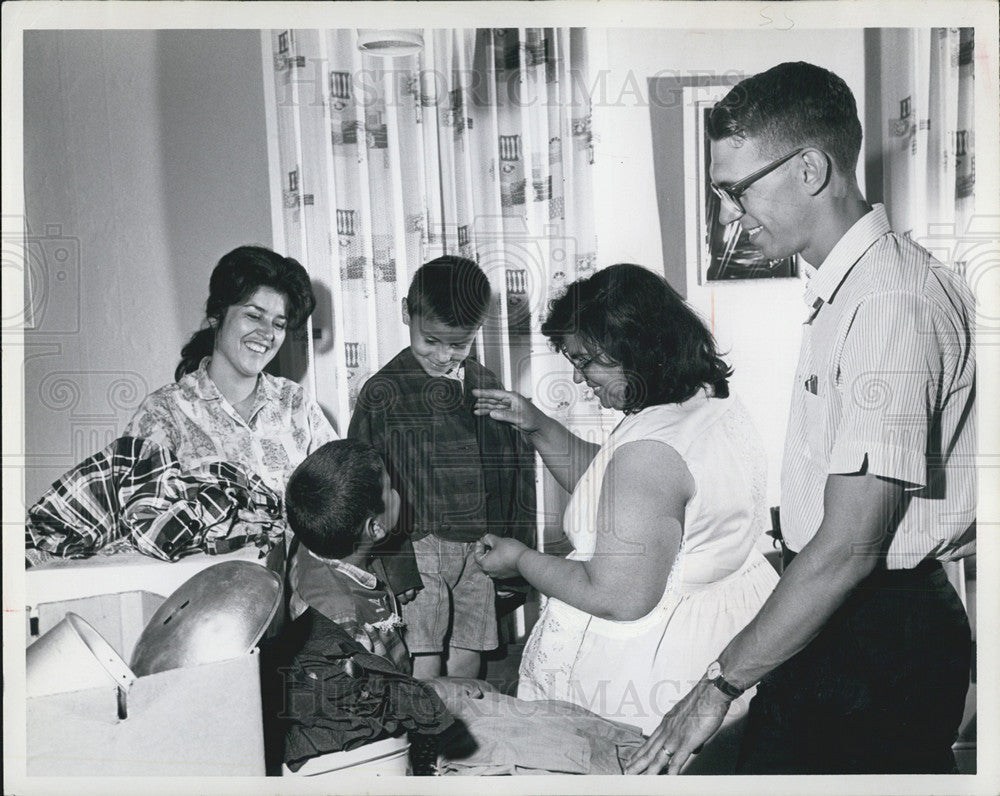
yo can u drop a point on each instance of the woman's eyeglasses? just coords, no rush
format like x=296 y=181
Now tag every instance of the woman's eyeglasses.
x=582 y=363
x=732 y=193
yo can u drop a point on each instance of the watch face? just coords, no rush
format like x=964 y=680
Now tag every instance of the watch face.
x=714 y=670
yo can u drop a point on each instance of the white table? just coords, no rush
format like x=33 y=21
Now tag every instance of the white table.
x=72 y=578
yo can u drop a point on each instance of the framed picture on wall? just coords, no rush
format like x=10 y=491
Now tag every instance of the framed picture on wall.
x=723 y=251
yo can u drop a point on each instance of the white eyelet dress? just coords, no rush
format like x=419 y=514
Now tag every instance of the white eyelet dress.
x=634 y=671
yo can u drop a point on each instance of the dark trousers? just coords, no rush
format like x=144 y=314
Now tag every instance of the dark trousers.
x=880 y=690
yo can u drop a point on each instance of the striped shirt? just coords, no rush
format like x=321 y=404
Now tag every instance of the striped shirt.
x=885 y=384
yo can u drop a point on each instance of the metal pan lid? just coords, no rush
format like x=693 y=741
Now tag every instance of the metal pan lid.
x=218 y=614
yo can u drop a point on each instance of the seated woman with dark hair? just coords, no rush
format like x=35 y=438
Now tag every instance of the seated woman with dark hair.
x=222 y=406
x=664 y=517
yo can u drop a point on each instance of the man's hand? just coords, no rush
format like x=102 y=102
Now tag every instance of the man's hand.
x=683 y=731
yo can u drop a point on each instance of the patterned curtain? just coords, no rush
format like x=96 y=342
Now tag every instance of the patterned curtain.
x=927 y=78
x=479 y=145
x=929 y=174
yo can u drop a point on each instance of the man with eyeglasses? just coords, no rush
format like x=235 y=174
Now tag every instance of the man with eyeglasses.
x=861 y=655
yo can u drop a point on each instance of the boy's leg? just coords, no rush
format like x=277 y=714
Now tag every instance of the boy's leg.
x=474 y=627
x=463 y=662
x=426 y=616
x=426 y=665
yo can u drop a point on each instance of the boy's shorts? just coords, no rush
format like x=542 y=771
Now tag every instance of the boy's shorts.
x=456 y=606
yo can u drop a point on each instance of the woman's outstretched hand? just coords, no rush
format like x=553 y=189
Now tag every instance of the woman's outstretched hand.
x=497 y=556
x=509 y=407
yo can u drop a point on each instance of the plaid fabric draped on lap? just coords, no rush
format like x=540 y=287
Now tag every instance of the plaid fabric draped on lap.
x=135 y=489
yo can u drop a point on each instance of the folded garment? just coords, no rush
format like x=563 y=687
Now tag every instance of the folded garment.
x=340 y=696
x=135 y=489
x=515 y=736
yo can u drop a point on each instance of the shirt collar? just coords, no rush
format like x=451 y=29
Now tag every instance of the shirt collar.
x=206 y=389
x=267 y=388
x=202 y=383
x=458 y=374
x=366 y=580
x=848 y=250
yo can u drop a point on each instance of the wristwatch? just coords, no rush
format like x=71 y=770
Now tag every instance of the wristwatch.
x=714 y=675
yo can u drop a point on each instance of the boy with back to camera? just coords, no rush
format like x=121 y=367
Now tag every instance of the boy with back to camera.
x=459 y=476
x=340 y=504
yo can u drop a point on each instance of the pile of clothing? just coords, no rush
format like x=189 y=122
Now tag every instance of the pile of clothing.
x=339 y=696
x=514 y=736
x=135 y=490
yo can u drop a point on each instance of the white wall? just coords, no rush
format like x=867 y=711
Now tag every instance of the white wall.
x=145 y=160
x=758 y=323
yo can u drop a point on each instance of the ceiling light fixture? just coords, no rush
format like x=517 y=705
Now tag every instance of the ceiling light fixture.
x=390 y=43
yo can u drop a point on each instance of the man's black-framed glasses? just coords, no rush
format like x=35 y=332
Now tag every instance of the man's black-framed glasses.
x=732 y=193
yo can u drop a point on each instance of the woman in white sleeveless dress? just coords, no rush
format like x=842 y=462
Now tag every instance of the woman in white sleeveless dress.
x=664 y=517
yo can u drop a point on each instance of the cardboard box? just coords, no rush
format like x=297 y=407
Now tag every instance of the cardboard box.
x=201 y=720
x=120 y=618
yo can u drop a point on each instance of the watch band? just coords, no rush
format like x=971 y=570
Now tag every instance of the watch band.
x=714 y=676
x=726 y=687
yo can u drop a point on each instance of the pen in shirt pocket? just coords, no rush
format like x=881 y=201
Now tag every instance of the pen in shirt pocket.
x=812 y=383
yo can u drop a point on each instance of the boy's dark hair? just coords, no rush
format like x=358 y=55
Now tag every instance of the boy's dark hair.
x=792 y=105
x=331 y=494
x=452 y=289
x=634 y=317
